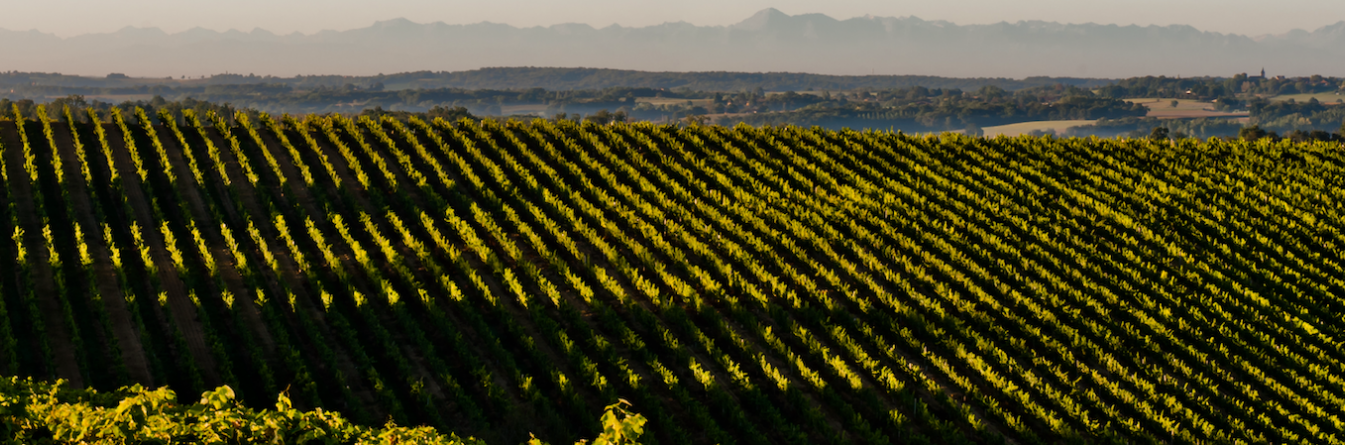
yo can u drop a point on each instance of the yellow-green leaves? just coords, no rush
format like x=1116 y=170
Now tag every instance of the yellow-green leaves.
x=139 y=415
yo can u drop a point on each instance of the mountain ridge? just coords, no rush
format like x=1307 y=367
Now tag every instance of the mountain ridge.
x=754 y=22
x=769 y=40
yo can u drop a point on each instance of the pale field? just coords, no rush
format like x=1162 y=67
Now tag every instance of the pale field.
x=1166 y=104
x=509 y=110
x=1163 y=109
x=674 y=101
x=1326 y=98
x=1027 y=127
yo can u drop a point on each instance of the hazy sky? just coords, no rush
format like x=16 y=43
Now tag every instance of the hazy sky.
x=71 y=17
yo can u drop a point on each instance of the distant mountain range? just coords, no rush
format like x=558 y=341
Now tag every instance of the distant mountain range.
x=769 y=41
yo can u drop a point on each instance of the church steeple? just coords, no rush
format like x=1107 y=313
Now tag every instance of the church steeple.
x=1263 y=73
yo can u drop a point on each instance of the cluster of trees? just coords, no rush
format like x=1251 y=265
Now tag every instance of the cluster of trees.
x=1138 y=127
x=1221 y=88
x=1255 y=132
x=920 y=109
x=1301 y=121
x=1292 y=115
x=1206 y=128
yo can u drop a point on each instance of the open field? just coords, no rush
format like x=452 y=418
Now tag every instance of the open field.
x=1022 y=128
x=674 y=101
x=1326 y=98
x=1186 y=108
x=735 y=285
x=1182 y=104
x=533 y=109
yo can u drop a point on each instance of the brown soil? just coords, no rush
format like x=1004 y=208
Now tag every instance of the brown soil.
x=302 y=195
x=180 y=306
x=58 y=334
x=290 y=271
x=224 y=260
x=127 y=335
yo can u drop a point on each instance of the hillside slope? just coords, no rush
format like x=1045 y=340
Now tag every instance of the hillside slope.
x=735 y=285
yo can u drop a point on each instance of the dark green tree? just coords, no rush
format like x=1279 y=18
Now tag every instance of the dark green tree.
x=1159 y=134
x=1251 y=133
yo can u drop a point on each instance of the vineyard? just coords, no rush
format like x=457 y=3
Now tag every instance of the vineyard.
x=735 y=285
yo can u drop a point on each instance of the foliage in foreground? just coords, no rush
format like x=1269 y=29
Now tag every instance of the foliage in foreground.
x=37 y=412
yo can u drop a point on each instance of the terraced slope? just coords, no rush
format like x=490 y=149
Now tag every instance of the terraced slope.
x=736 y=285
